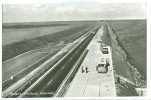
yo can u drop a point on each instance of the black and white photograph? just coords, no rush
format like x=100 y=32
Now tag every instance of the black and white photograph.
x=74 y=49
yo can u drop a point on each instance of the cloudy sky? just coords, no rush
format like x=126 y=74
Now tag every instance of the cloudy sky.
x=72 y=11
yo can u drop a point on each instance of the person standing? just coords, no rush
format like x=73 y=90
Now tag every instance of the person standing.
x=118 y=79
x=86 y=69
x=82 y=70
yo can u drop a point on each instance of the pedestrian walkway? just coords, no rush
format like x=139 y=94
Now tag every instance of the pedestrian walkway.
x=93 y=84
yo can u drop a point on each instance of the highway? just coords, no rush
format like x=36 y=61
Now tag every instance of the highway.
x=58 y=71
x=50 y=83
x=93 y=83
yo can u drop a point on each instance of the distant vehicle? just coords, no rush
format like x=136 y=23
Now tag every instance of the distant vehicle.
x=104 y=49
x=66 y=50
x=93 y=32
x=103 y=66
x=103 y=61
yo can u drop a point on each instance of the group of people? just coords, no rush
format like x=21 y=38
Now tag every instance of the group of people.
x=86 y=69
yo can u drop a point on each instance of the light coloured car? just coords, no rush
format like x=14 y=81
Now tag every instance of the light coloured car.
x=101 y=68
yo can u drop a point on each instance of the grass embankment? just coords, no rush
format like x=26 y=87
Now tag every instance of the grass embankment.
x=125 y=89
x=69 y=35
x=120 y=63
x=23 y=72
x=132 y=36
x=11 y=35
x=121 y=60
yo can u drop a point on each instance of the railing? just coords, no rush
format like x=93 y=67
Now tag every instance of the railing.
x=63 y=87
x=33 y=79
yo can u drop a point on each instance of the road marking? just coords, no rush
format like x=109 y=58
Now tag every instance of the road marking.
x=50 y=69
x=49 y=82
x=66 y=78
x=100 y=87
x=85 y=86
x=71 y=58
x=24 y=69
x=63 y=67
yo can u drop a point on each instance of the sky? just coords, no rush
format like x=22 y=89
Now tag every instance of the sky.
x=73 y=11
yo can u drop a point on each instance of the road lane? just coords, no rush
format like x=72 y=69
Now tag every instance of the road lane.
x=16 y=91
x=55 y=77
x=20 y=90
x=93 y=84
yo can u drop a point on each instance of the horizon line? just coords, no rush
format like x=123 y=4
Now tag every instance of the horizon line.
x=77 y=20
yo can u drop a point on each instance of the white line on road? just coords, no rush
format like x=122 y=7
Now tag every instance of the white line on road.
x=25 y=68
x=71 y=58
x=63 y=67
x=49 y=82
x=37 y=81
x=85 y=86
x=100 y=86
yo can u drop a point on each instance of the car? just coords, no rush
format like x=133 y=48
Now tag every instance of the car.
x=101 y=68
x=104 y=48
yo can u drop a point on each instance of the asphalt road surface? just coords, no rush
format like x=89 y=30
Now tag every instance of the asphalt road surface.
x=50 y=83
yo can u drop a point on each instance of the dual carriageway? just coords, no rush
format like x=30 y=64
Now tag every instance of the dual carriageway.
x=49 y=83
